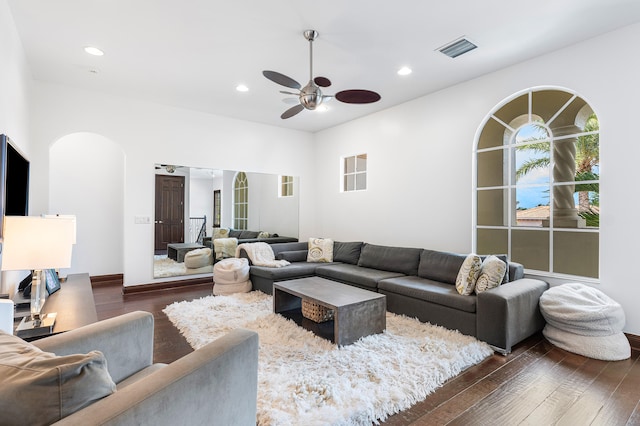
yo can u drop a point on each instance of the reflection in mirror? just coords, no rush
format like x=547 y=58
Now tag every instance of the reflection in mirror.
x=192 y=206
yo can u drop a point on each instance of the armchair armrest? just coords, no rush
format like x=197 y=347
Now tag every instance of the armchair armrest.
x=216 y=384
x=126 y=342
x=509 y=313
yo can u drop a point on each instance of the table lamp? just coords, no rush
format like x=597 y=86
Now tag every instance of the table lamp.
x=37 y=243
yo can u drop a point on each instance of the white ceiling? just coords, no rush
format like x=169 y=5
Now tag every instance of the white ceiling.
x=193 y=53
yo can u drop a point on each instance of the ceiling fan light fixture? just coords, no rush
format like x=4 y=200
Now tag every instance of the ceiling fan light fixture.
x=457 y=48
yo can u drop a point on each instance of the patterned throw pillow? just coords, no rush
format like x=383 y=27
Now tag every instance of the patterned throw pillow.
x=468 y=274
x=320 y=250
x=491 y=275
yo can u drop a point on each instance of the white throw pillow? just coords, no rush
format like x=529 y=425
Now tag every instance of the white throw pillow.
x=468 y=274
x=263 y=234
x=491 y=275
x=220 y=233
x=320 y=250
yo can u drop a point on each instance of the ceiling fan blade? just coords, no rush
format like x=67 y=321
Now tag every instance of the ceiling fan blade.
x=281 y=79
x=291 y=111
x=357 y=96
x=322 y=81
x=291 y=101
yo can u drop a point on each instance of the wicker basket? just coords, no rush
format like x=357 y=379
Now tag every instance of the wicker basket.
x=316 y=312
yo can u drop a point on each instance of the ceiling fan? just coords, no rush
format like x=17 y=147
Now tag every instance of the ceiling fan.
x=310 y=96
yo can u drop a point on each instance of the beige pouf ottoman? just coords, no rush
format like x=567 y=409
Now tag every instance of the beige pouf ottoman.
x=585 y=321
x=198 y=258
x=231 y=276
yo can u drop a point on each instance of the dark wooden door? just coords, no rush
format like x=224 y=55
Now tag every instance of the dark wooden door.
x=169 y=220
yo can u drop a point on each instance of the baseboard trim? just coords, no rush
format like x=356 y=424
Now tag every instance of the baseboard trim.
x=167 y=285
x=98 y=279
x=634 y=341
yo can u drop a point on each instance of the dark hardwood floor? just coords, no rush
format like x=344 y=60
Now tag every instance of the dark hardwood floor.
x=537 y=384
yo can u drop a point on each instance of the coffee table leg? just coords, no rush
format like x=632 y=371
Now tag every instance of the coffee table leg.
x=283 y=301
x=355 y=321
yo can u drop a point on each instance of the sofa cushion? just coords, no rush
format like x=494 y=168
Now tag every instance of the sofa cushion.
x=491 y=275
x=430 y=291
x=353 y=274
x=347 y=252
x=293 y=255
x=280 y=247
x=440 y=265
x=394 y=259
x=39 y=387
x=320 y=250
x=468 y=274
x=248 y=234
x=294 y=270
x=234 y=233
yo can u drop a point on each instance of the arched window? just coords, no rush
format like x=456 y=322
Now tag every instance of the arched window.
x=538 y=183
x=240 y=201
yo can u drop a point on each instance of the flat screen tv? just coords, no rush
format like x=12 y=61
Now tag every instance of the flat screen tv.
x=14 y=181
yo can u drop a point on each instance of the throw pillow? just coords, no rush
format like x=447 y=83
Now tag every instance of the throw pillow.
x=468 y=274
x=263 y=234
x=220 y=233
x=39 y=387
x=491 y=274
x=320 y=250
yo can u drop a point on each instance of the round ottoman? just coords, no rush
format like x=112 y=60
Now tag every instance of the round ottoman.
x=585 y=321
x=198 y=258
x=231 y=276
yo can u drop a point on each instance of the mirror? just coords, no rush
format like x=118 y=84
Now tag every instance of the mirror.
x=190 y=202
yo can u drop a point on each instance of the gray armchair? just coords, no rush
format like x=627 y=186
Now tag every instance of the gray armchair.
x=214 y=385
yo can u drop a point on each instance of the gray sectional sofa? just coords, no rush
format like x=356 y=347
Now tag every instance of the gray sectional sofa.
x=420 y=283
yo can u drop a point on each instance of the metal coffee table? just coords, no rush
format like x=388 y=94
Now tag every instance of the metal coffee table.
x=357 y=312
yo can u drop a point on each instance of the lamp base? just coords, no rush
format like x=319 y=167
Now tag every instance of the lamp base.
x=31 y=328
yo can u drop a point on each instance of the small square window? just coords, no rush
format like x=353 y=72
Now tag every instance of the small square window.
x=354 y=171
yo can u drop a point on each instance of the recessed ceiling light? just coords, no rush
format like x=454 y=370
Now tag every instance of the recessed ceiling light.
x=93 y=51
x=404 y=71
x=242 y=88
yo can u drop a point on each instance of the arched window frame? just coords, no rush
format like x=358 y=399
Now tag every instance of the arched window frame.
x=508 y=147
x=240 y=201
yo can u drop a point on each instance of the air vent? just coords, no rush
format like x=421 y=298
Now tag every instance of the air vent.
x=457 y=48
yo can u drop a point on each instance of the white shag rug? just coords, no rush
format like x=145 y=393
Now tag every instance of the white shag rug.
x=307 y=380
x=165 y=267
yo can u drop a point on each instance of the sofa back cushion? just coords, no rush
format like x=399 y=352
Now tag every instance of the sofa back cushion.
x=440 y=266
x=234 y=233
x=347 y=252
x=247 y=235
x=280 y=247
x=394 y=259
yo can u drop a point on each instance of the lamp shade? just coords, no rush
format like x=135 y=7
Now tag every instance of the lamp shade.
x=32 y=242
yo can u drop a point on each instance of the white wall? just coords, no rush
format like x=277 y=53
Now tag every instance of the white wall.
x=148 y=134
x=15 y=87
x=420 y=159
x=74 y=174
